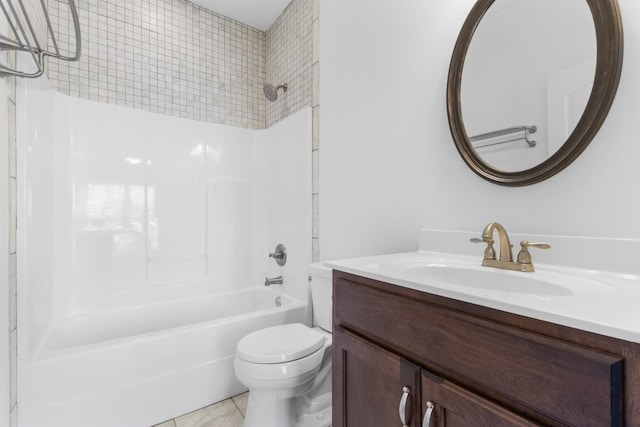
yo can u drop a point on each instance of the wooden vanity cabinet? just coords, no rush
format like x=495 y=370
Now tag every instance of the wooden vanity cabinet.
x=373 y=379
x=478 y=366
x=458 y=407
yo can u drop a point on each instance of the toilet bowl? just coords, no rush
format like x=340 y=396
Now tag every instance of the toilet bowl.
x=287 y=368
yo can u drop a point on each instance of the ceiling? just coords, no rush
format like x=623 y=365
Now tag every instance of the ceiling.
x=258 y=14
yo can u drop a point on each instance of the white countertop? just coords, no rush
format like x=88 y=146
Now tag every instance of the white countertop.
x=600 y=302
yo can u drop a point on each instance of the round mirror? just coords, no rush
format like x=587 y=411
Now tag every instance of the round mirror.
x=530 y=83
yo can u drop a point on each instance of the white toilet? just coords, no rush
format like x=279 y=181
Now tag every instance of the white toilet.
x=287 y=368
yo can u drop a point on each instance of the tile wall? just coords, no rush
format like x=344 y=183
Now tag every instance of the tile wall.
x=173 y=57
x=11 y=246
x=289 y=47
x=165 y=56
x=315 y=104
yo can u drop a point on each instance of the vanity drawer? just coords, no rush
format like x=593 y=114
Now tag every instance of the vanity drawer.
x=564 y=382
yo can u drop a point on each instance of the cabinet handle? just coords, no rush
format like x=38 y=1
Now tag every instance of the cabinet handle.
x=426 y=422
x=402 y=409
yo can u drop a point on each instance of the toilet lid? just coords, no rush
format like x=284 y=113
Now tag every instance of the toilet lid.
x=280 y=344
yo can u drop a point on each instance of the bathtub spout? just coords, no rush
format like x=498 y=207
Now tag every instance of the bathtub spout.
x=273 y=281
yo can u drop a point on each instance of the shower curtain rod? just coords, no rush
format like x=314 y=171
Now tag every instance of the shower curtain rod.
x=528 y=130
x=22 y=37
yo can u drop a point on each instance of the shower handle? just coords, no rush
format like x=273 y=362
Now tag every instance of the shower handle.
x=280 y=254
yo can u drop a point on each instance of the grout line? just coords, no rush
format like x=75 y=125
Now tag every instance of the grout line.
x=173 y=421
x=236 y=404
x=238 y=408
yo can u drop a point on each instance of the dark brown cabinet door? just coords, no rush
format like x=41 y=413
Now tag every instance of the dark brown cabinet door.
x=369 y=384
x=454 y=406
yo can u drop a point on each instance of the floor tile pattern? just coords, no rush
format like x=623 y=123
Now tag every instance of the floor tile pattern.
x=228 y=413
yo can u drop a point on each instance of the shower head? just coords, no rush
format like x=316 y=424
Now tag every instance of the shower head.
x=271 y=92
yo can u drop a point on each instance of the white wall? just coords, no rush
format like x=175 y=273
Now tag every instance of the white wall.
x=388 y=162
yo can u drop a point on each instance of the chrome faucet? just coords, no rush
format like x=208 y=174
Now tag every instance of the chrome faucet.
x=273 y=281
x=505 y=258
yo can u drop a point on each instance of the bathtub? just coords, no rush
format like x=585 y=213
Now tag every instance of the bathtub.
x=140 y=237
x=143 y=365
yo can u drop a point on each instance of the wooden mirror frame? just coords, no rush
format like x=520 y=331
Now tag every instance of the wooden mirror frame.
x=609 y=45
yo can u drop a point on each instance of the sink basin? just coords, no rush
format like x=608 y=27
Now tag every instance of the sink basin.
x=489 y=279
x=584 y=292
x=466 y=275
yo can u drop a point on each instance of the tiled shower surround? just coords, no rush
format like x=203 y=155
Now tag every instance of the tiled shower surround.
x=11 y=246
x=289 y=59
x=173 y=57
x=169 y=57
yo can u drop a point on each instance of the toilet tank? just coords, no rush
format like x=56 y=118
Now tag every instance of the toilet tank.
x=321 y=295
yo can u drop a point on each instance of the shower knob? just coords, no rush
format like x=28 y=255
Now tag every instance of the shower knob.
x=280 y=254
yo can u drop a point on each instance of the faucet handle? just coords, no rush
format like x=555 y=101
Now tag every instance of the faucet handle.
x=489 y=252
x=524 y=257
x=280 y=254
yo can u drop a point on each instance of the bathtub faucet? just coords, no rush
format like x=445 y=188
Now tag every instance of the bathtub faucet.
x=273 y=281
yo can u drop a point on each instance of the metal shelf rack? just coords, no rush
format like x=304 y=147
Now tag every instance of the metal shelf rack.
x=23 y=37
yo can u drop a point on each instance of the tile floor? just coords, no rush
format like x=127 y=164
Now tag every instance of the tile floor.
x=228 y=413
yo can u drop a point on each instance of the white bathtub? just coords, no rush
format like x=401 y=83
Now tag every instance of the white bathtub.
x=139 y=237
x=140 y=366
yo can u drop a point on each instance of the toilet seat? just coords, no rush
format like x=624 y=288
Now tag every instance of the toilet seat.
x=280 y=344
